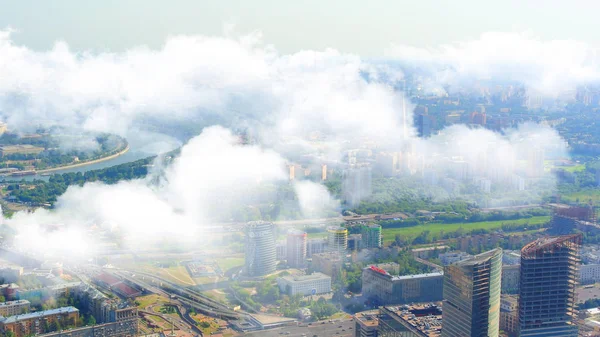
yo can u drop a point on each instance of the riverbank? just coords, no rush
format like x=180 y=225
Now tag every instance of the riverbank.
x=89 y=162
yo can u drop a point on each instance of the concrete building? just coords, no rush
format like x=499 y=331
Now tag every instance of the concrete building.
x=315 y=246
x=589 y=273
x=427 y=252
x=337 y=238
x=379 y=286
x=424 y=125
x=261 y=256
x=296 y=249
x=509 y=314
x=511 y=257
x=387 y=164
x=453 y=257
x=419 y=320
x=313 y=284
x=125 y=325
x=356 y=184
x=104 y=309
x=11 y=274
x=472 y=296
x=511 y=278
x=33 y=323
x=366 y=323
x=329 y=263
x=549 y=277
x=355 y=242
x=12 y=308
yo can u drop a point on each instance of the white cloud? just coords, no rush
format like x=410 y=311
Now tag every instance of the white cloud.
x=545 y=66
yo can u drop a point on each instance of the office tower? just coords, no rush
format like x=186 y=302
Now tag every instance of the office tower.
x=261 y=255
x=472 y=296
x=337 y=238
x=356 y=185
x=296 y=249
x=549 y=274
x=323 y=172
x=423 y=126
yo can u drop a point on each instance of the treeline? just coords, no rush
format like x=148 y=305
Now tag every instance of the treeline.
x=48 y=191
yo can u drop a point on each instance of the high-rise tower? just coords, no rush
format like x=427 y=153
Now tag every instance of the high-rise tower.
x=261 y=255
x=549 y=276
x=472 y=296
x=337 y=238
x=296 y=248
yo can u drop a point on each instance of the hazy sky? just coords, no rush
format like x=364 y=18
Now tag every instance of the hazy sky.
x=362 y=27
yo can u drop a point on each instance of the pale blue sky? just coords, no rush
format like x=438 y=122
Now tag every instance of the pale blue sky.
x=365 y=27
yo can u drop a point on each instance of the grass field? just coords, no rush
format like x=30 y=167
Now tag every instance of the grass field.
x=389 y=234
x=583 y=196
x=147 y=300
x=227 y=263
x=575 y=168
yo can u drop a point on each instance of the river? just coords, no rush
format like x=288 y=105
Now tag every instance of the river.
x=139 y=148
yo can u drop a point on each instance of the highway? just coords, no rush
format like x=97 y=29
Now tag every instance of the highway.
x=338 y=328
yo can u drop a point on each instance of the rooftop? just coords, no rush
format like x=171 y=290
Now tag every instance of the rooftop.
x=549 y=241
x=479 y=258
x=17 y=318
x=368 y=318
x=300 y=278
x=107 y=278
x=10 y=303
x=424 y=318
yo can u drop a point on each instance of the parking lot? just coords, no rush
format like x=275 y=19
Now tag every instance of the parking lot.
x=338 y=327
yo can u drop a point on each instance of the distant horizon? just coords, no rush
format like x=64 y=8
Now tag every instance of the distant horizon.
x=348 y=26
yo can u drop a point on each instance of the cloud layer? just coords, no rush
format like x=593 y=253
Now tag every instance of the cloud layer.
x=309 y=106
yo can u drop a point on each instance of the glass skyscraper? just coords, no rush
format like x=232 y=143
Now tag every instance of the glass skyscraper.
x=549 y=276
x=472 y=296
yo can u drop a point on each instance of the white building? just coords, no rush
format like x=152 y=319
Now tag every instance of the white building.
x=453 y=257
x=589 y=273
x=316 y=283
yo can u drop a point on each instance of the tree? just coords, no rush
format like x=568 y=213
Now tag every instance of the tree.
x=91 y=320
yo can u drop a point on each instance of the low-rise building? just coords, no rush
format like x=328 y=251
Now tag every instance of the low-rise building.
x=379 y=286
x=453 y=257
x=329 y=263
x=12 y=308
x=511 y=276
x=315 y=246
x=589 y=273
x=419 y=320
x=366 y=323
x=509 y=314
x=427 y=252
x=34 y=323
x=125 y=327
x=316 y=283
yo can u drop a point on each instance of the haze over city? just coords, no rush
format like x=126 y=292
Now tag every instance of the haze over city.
x=246 y=168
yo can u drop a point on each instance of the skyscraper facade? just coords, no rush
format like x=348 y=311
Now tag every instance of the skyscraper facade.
x=261 y=254
x=296 y=248
x=337 y=238
x=472 y=296
x=549 y=276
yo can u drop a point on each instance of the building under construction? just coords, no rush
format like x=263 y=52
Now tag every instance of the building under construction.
x=568 y=218
x=549 y=275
